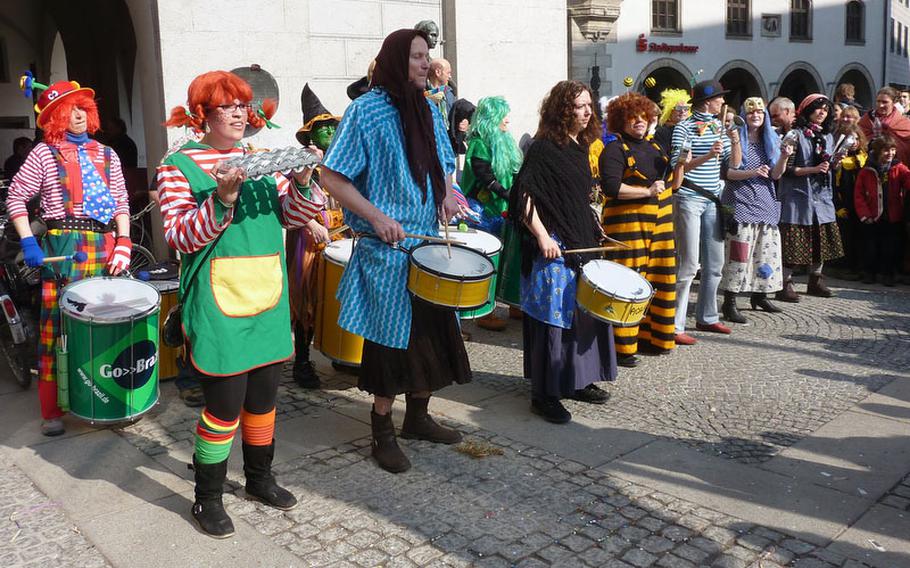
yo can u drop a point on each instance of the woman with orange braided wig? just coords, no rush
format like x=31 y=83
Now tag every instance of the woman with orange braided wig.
x=233 y=287
x=84 y=203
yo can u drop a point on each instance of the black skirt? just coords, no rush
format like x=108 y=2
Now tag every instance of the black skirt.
x=560 y=361
x=435 y=357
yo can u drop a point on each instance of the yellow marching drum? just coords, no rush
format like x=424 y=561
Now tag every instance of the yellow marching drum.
x=335 y=343
x=613 y=293
x=461 y=282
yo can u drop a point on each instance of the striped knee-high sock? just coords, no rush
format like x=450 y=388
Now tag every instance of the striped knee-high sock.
x=257 y=429
x=213 y=438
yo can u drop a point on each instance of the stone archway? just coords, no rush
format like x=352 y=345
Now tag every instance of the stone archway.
x=667 y=74
x=858 y=75
x=743 y=79
x=798 y=80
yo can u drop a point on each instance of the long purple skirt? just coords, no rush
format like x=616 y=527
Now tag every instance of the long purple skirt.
x=560 y=361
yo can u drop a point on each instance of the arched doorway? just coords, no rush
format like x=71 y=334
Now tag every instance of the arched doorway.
x=798 y=81
x=743 y=80
x=858 y=76
x=665 y=77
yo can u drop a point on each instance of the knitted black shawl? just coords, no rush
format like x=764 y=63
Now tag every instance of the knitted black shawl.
x=557 y=180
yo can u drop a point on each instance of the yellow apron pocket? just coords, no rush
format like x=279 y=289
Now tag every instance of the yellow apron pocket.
x=244 y=286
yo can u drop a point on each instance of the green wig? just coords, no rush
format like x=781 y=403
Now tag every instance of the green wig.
x=490 y=113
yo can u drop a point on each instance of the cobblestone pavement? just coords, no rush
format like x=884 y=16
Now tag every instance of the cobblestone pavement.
x=34 y=531
x=744 y=397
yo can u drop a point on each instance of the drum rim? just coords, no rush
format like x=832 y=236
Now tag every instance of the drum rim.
x=613 y=295
x=93 y=319
x=454 y=235
x=434 y=272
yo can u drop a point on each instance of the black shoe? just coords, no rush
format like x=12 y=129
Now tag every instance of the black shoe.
x=347 y=369
x=868 y=278
x=592 y=394
x=888 y=280
x=629 y=361
x=419 y=425
x=208 y=508
x=305 y=375
x=551 y=410
x=192 y=397
x=729 y=309
x=260 y=483
x=760 y=301
x=385 y=448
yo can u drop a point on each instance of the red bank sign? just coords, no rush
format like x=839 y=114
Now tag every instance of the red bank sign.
x=644 y=45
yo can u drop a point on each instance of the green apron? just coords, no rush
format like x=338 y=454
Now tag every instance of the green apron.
x=235 y=300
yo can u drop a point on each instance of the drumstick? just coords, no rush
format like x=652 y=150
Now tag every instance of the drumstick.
x=614 y=241
x=80 y=256
x=448 y=244
x=434 y=239
x=337 y=230
x=591 y=249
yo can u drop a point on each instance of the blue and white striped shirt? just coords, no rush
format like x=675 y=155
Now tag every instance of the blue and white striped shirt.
x=701 y=130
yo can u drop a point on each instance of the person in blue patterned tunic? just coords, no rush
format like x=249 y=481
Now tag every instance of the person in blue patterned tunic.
x=390 y=165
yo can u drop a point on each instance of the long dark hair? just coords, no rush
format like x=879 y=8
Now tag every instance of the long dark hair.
x=391 y=74
x=803 y=121
x=557 y=113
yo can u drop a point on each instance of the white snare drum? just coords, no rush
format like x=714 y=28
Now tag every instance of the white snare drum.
x=613 y=293
x=489 y=245
x=460 y=282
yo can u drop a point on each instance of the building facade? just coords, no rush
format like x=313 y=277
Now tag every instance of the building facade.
x=764 y=48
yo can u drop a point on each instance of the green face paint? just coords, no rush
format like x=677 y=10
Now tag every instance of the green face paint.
x=322 y=136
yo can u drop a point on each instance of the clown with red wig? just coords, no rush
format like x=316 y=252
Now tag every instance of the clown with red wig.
x=233 y=286
x=84 y=204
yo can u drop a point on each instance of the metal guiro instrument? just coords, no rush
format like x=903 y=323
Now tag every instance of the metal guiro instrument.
x=284 y=160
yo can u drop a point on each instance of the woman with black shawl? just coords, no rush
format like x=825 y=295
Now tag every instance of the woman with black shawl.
x=565 y=349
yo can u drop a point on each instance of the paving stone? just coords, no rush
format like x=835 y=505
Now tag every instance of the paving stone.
x=639 y=558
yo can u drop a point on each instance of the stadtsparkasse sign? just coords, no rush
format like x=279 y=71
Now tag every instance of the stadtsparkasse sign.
x=644 y=45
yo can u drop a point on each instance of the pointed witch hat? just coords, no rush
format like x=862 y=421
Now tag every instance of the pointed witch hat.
x=313 y=113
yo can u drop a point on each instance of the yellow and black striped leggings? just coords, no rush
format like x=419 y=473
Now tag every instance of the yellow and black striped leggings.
x=648 y=228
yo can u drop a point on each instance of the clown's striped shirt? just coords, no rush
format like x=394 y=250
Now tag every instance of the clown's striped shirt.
x=189 y=226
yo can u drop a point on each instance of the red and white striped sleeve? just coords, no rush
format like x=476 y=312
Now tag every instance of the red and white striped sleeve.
x=118 y=187
x=296 y=209
x=29 y=180
x=188 y=226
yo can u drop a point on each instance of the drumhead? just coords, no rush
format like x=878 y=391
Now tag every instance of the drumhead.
x=465 y=264
x=617 y=280
x=339 y=251
x=486 y=243
x=109 y=300
x=165 y=286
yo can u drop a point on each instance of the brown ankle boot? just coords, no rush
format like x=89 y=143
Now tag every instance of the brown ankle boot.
x=385 y=447
x=817 y=287
x=419 y=425
x=788 y=294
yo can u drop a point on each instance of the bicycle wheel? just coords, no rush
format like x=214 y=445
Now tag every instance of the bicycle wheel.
x=141 y=258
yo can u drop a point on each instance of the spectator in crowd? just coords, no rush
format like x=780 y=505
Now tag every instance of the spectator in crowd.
x=905 y=101
x=21 y=147
x=698 y=221
x=674 y=107
x=783 y=114
x=116 y=137
x=845 y=93
x=809 y=234
x=881 y=189
x=752 y=244
x=886 y=119
x=853 y=158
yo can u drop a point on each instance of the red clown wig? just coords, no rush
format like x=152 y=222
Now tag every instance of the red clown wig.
x=57 y=120
x=212 y=89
